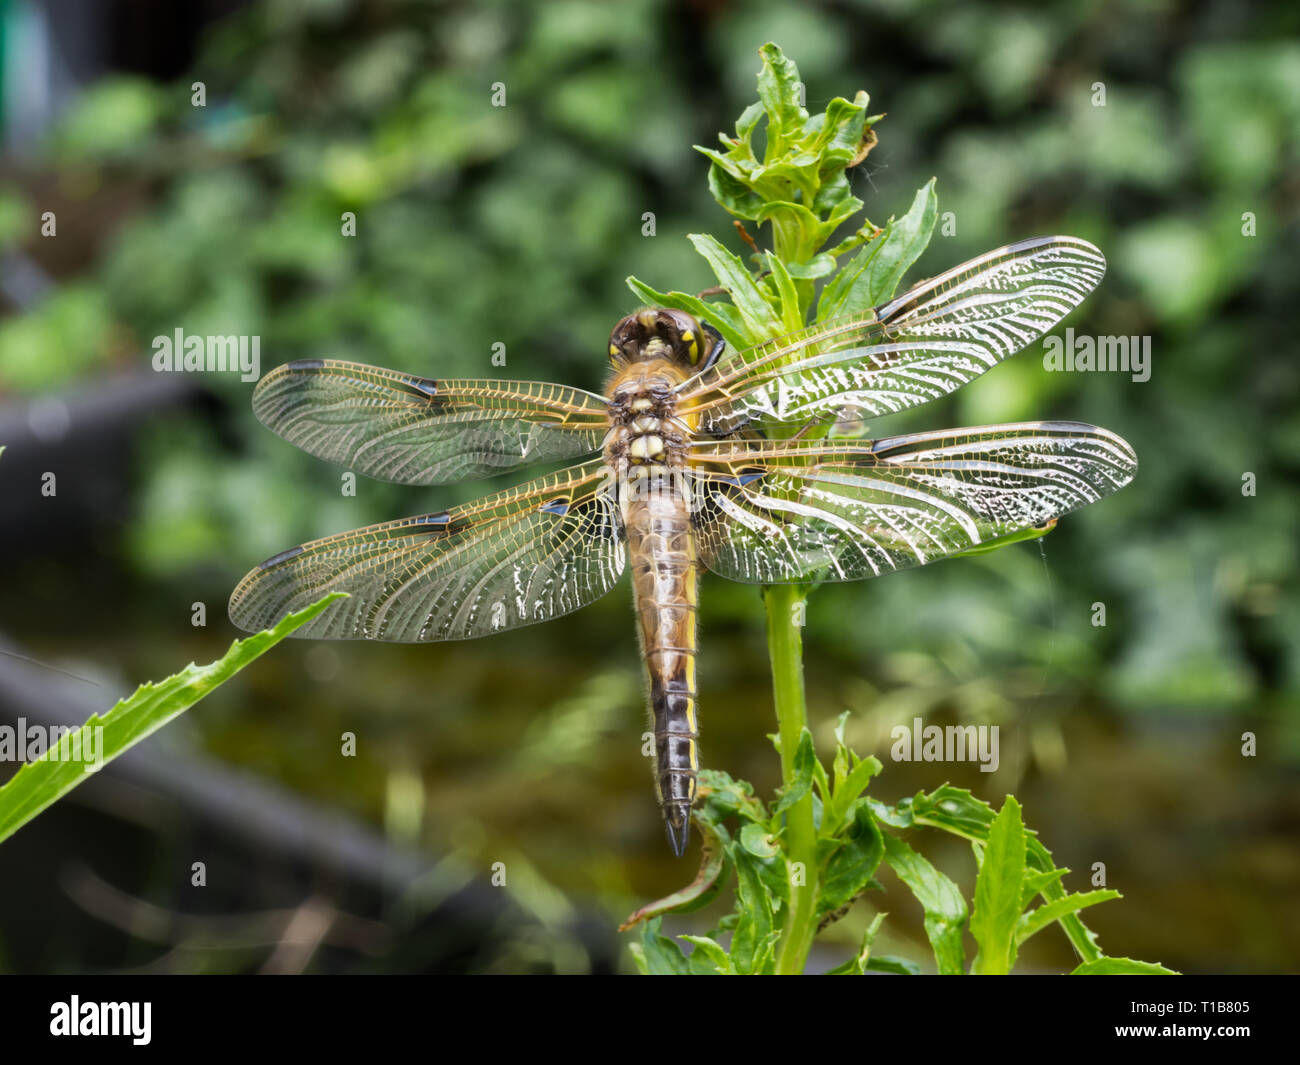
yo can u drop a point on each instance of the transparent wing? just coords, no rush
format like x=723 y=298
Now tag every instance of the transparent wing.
x=414 y=430
x=921 y=345
x=778 y=512
x=512 y=559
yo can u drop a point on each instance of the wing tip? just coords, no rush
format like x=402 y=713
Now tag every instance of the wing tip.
x=249 y=608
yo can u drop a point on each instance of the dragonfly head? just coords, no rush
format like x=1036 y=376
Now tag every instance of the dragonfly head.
x=665 y=334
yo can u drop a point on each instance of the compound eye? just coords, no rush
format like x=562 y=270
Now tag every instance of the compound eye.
x=688 y=331
x=619 y=338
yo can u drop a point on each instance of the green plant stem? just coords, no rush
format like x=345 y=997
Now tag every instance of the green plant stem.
x=785 y=648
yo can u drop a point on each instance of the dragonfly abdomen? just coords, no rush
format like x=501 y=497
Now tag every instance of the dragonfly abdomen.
x=664 y=581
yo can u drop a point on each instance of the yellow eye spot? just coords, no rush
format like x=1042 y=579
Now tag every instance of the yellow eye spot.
x=688 y=336
x=693 y=348
x=613 y=349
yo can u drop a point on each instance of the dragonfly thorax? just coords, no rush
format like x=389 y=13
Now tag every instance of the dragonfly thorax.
x=642 y=406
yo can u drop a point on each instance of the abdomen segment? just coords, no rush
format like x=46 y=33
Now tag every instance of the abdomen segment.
x=664 y=582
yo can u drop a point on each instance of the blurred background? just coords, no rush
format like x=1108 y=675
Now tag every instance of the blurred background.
x=479 y=224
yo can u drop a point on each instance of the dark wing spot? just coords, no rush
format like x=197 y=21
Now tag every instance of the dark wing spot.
x=424 y=385
x=742 y=479
x=442 y=523
x=283 y=556
x=559 y=505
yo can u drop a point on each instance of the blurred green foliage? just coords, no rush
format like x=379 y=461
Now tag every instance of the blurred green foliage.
x=517 y=224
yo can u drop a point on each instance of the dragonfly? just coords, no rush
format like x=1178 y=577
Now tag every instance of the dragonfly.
x=696 y=457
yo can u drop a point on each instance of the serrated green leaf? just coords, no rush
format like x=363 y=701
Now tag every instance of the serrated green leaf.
x=1036 y=882
x=754 y=926
x=723 y=797
x=857 y=965
x=1036 y=920
x=945 y=909
x=823 y=785
x=699 y=892
x=774 y=872
x=835 y=200
x=896 y=816
x=778 y=89
x=730 y=163
x=748 y=121
x=757 y=314
x=1121 y=967
x=888 y=963
x=997 y=892
x=805 y=759
x=790 y=178
x=661 y=955
x=758 y=841
x=836 y=134
x=786 y=295
x=847 y=792
x=37 y=785
x=871 y=277
x=835 y=153
x=956 y=810
x=841 y=213
x=843 y=756
x=818 y=266
x=732 y=192
x=854 y=864
x=797 y=232
x=765 y=956
x=708 y=957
